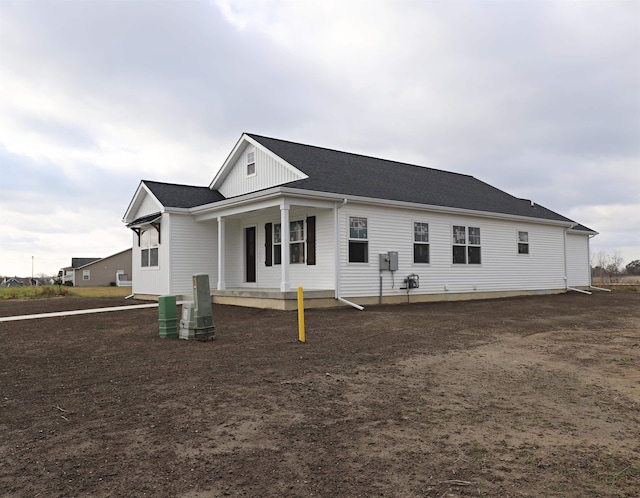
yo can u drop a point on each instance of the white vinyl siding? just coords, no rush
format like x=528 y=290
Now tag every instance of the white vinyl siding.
x=151 y=281
x=501 y=268
x=193 y=250
x=577 y=260
x=318 y=276
x=268 y=173
x=234 y=253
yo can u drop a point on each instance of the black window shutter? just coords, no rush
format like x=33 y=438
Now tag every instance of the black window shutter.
x=268 y=244
x=311 y=240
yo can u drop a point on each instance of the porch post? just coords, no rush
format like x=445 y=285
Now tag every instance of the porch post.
x=221 y=283
x=284 y=248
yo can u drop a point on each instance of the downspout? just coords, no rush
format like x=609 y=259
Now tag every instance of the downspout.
x=337 y=257
x=566 y=277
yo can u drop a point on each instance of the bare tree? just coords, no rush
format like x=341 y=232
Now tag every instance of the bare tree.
x=613 y=268
x=599 y=263
x=607 y=266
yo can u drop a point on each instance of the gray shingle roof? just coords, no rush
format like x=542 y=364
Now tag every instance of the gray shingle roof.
x=182 y=196
x=353 y=174
x=345 y=173
x=78 y=262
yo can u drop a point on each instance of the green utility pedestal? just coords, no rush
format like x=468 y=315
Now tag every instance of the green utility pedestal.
x=167 y=317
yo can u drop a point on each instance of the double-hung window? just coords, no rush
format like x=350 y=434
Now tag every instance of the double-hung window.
x=296 y=242
x=149 y=246
x=420 y=242
x=86 y=274
x=277 y=244
x=466 y=245
x=358 y=240
x=523 y=242
x=251 y=163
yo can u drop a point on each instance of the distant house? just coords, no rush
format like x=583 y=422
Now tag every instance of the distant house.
x=22 y=282
x=92 y=272
x=13 y=282
x=346 y=227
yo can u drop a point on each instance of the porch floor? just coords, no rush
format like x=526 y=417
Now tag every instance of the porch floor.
x=275 y=298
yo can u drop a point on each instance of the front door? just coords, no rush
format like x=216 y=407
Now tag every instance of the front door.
x=250 y=253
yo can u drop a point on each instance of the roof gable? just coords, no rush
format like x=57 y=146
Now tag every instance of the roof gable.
x=182 y=196
x=154 y=197
x=270 y=169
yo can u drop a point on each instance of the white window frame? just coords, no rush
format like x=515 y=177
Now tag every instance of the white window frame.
x=300 y=239
x=86 y=274
x=358 y=238
x=466 y=243
x=149 y=244
x=520 y=242
x=251 y=163
x=421 y=242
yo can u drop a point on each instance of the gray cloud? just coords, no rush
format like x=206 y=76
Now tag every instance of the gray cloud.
x=541 y=99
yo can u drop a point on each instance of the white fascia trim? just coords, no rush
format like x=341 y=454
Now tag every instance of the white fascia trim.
x=176 y=210
x=233 y=155
x=223 y=171
x=134 y=202
x=590 y=233
x=218 y=208
x=126 y=218
x=423 y=207
x=259 y=200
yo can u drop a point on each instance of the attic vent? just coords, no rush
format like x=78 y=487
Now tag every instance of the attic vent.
x=251 y=163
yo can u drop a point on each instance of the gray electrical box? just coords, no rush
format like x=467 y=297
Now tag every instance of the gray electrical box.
x=389 y=261
x=187 y=322
x=197 y=316
x=204 y=329
x=393 y=260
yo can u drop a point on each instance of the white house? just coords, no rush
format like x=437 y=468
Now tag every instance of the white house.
x=346 y=227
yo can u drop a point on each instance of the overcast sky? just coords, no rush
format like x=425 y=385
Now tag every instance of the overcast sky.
x=538 y=98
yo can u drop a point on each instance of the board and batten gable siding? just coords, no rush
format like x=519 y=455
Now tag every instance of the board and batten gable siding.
x=193 y=248
x=578 y=264
x=269 y=173
x=147 y=206
x=502 y=268
x=319 y=276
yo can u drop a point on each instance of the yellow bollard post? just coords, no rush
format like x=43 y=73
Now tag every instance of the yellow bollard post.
x=301 y=336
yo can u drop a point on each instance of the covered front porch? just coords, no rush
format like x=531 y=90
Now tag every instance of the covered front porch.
x=265 y=250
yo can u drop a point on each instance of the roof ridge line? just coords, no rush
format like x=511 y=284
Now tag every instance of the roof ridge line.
x=175 y=184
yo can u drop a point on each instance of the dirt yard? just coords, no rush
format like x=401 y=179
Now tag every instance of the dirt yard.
x=535 y=396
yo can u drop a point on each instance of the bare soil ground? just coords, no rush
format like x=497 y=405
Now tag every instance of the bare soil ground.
x=536 y=396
